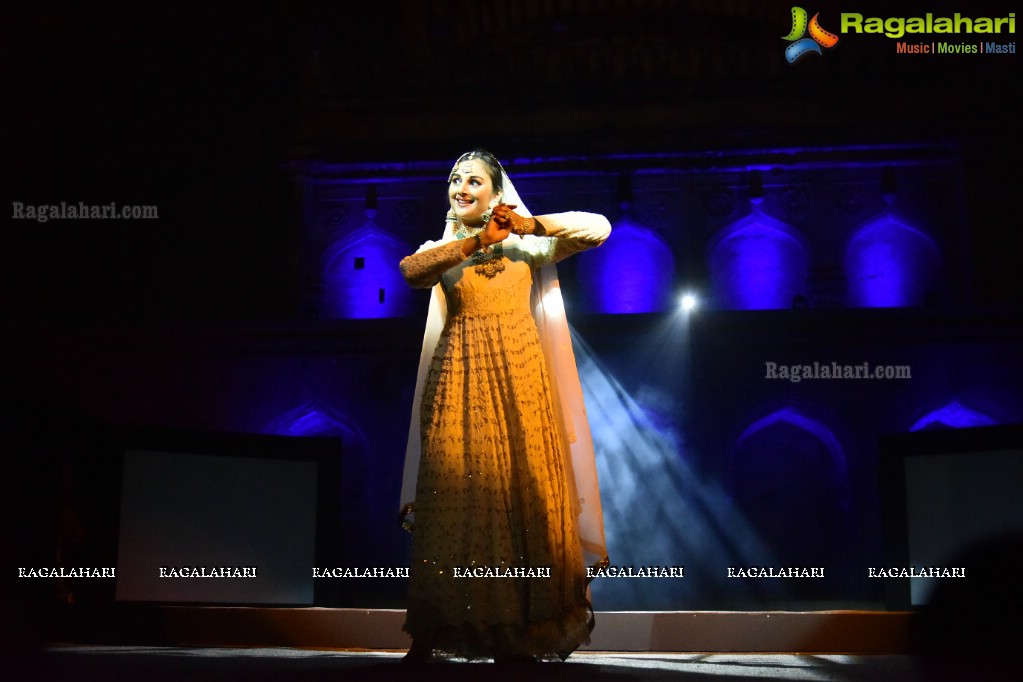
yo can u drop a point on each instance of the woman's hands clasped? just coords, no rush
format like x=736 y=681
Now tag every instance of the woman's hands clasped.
x=503 y=222
x=499 y=226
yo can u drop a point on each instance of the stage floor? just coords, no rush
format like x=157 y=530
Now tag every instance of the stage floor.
x=231 y=644
x=158 y=664
x=818 y=632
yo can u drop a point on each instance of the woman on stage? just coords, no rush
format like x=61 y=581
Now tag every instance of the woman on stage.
x=500 y=487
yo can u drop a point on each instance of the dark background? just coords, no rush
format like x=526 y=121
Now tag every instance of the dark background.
x=195 y=107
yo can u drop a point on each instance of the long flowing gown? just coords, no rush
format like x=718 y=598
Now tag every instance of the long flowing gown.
x=493 y=496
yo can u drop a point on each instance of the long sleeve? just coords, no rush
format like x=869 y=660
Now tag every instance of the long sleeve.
x=424 y=268
x=565 y=234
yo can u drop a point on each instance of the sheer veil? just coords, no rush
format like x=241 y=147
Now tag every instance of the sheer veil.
x=555 y=337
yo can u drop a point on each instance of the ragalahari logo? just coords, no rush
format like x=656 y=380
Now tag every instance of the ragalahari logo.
x=801 y=45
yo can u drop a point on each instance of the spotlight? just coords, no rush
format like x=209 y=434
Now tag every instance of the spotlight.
x=688 y=302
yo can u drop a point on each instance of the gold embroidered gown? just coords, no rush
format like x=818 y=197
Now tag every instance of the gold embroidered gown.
x=492 y=490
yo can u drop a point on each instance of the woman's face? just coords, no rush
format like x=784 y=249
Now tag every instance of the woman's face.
x=470 y=191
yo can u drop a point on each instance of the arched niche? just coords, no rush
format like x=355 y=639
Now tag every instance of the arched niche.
x=890 y=264
x=314 y=419
x=361 y=276
x=364 y=493
x=953 y=415
x=757 y=263
x=789 y=476
x=633 y=272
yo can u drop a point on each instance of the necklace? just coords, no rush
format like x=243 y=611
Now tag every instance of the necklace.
x=488 y=260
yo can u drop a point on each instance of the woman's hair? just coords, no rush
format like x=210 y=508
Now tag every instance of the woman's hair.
x=489 y=161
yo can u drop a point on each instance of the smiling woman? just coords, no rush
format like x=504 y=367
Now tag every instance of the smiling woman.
x=499 y=471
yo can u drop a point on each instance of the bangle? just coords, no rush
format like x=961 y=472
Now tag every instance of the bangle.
x=530 y=225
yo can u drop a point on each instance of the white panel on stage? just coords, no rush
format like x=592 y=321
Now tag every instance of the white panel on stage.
x=956 y=501
x=251 y=520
